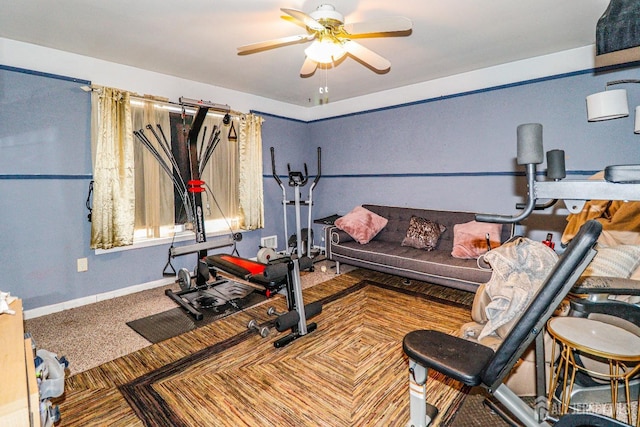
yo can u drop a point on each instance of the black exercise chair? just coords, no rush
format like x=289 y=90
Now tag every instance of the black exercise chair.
x=474 y=364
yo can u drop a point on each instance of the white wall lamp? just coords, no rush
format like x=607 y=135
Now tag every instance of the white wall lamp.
x=611 y=104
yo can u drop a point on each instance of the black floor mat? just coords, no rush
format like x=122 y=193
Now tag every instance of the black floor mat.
x=220 y=302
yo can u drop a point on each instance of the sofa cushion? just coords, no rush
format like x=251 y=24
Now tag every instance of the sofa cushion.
x=437 y=266
x=361 y=224
x=470 y=238
x=423 y=233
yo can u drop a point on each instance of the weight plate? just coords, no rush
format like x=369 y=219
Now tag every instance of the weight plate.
x=184 y=279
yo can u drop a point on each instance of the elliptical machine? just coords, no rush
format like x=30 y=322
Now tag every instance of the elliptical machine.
x=300 y=243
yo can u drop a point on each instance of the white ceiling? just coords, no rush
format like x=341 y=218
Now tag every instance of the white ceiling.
x=197 y=39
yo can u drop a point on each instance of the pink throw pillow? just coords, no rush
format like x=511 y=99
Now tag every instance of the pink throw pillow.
x=361 y=224
x=470 y=239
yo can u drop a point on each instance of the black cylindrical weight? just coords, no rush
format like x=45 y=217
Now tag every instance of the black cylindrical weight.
x=530 y=144
x=312 y=309
x=276 y=271
x=287 y=320
x=555 y=164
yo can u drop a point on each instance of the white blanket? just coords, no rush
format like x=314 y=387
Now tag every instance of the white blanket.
x=519 y=267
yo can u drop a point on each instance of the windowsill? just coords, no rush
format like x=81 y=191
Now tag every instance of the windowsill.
x=182 y=236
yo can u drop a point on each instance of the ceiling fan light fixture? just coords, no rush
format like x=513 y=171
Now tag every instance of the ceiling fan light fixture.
x=325 y=51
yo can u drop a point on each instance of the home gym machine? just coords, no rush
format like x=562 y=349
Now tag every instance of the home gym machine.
x=185 y=170
x=300 y=243
x=621 y=182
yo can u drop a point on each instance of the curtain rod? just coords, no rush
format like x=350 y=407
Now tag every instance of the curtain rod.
x=184 y=102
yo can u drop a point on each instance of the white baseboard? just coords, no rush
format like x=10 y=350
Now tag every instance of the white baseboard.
x=78 y=302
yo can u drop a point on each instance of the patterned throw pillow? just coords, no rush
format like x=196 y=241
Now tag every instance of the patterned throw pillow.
x=423 y=233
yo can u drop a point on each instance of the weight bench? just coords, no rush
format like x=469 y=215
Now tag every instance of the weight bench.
x=279 y=274
x=474 y=364
x=272 y=277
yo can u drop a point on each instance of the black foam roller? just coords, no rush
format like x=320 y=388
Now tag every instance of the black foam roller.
x=312 y=309
x=276 y=271
x=530 y=144
x=287 y=320
x=555 y=164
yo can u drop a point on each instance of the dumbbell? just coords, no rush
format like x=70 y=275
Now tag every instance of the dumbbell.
x=253 y=325
x=271 y=311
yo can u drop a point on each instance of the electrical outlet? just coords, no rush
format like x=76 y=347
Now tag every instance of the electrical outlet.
x=83 y=265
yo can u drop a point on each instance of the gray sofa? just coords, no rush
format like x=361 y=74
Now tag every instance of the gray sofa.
x=384 y=252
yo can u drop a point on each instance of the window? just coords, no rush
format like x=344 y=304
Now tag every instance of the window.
x=154 y=162
x=162 y=166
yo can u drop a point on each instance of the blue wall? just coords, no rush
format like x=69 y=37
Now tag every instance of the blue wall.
x=459 y=153
x=455 y=153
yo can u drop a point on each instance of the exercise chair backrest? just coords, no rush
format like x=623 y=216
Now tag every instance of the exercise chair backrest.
x=557 y=285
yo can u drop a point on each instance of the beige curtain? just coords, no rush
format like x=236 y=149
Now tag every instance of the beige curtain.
x=153 y=186
x=221 y=173
x=250 y=156
x=112 y=220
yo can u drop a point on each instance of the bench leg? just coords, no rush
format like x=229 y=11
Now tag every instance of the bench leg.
x=337 y=267
x=421 y=413
x=518 y=407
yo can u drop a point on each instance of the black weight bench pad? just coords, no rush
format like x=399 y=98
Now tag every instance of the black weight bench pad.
x=455 y=357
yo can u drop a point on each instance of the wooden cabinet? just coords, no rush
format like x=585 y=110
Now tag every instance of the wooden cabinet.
x=19 y=397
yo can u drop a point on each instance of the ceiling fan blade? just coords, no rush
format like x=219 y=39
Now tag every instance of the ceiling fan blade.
x=270 y=44
x=367 y=56
x=304 y=18
x=308 y=67
x=384 y=25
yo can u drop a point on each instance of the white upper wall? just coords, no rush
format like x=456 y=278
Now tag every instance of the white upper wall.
x=37 y=58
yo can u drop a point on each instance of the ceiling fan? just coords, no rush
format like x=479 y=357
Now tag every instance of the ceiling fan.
x=332 y=38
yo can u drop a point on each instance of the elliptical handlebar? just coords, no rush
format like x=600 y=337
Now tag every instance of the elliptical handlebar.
x=273 y=167
x=315 y=181
x=298 y=179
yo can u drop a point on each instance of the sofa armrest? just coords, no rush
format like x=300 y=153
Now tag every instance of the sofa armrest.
x=339 y=236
